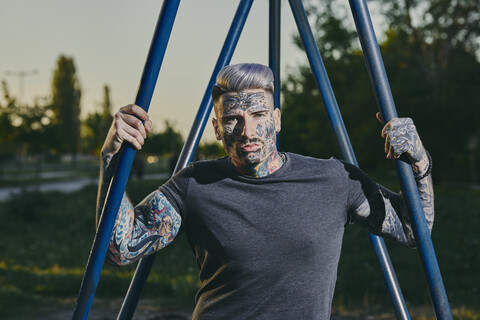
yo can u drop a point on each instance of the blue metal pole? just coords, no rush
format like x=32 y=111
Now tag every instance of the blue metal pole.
x=122 y=170
x=343 y=140
x=274 y=52
x=191 y=144
x=387 y=108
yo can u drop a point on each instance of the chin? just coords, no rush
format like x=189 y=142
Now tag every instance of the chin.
x=252 y=159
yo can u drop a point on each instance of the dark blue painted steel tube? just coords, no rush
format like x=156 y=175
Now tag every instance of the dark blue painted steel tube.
x=387 y=108
x=336 y=121
x=191 y=144
x=274 y=52
x=122 y=170
x=274 y=47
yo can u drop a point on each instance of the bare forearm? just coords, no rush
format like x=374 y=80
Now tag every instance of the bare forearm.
x=425 y=188
x=106 y=172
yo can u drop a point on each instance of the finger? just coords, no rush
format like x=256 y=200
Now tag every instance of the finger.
x=387 y=142
x=135 y=123
x=131 y=138
x=385 y=130
x=148 y=125
x=134 y=137
x=130 y=127
x=390 y=152
x=126 y=109
x=135 y=110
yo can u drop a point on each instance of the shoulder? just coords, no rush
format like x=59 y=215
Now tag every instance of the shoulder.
x=331 y=165
x=205 y=170
x=201 y=166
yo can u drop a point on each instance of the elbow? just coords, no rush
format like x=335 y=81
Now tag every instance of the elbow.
x=412 y=244
x=430 y=223
x=408 y=241
x=116 y=258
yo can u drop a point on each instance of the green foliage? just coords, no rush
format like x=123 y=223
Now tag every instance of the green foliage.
x=27 y=205
x=360 y=283
x=45 y=240
x=169 y=141
x=24 y=129
x=45 y=243
x=434 y=75
x=210 y=150
x=66 y=95
x=8 y=132
x=95 y=126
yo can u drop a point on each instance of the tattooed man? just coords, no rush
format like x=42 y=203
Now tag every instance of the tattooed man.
x=265 y=226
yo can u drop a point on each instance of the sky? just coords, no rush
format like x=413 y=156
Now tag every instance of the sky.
x=109 y=41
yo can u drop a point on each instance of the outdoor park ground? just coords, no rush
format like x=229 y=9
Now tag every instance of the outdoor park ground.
x=46 y=237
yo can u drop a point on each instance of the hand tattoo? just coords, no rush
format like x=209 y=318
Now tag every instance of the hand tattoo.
x=402 y=137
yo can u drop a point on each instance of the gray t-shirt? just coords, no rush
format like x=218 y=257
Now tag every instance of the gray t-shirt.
x=267 y=248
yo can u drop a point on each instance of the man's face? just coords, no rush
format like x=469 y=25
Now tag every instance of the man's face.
x=247 y=126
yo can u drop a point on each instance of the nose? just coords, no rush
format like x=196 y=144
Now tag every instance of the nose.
x=248 y=128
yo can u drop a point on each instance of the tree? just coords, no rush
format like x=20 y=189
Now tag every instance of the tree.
x=8 y=131
x=96 y=125
x=434 y=73
x=66 y=95
x=210 y=150
x=305 y=125
x=106 y=110
x=24 y=130
x=442 y=39
x=169 y=141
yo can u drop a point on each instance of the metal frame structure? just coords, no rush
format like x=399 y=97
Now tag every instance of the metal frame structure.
x=386 y=106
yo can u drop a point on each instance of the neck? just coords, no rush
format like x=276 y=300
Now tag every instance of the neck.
x=262 y=169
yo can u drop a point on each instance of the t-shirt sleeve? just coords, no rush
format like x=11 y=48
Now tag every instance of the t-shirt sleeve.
x=359 y=185
x=361 y=188
x=175 y=190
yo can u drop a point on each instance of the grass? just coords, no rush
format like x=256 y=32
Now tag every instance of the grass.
x=45 y=240
x=457 y=244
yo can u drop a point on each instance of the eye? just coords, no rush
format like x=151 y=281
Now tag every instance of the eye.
x=229 y=120
x=259 y=114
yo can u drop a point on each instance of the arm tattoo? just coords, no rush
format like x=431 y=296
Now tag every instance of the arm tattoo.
x=425 y=190
x=139 y=231
x=385 y=212
x=142 y=230
x=389 y=217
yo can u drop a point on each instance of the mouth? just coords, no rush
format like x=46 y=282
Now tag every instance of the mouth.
x=249 y=147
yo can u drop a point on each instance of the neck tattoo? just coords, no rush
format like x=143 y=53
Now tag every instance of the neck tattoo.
x=274 y=162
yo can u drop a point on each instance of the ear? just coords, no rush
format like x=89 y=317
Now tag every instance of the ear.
x=216 y=128
x=277 y=117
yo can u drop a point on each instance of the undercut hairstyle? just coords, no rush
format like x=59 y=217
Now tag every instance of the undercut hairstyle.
x=240 y=77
